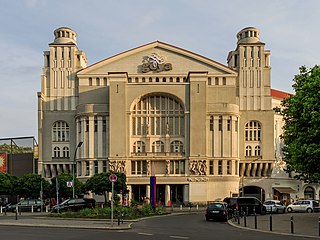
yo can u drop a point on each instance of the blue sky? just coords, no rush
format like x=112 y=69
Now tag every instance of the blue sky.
x=290 y=29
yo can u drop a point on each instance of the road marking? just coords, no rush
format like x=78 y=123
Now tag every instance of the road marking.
x=179 y=237
x=147 y=234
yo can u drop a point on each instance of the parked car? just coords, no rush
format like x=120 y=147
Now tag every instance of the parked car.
x=74 y=204
x=217 y=211
x=27 y=206
x=303 y=206
x=274 y=206
x=247 y=205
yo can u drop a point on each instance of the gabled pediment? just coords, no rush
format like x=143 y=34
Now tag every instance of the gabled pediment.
x=174 y=60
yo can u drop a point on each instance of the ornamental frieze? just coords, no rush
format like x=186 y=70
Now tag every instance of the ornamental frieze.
x=198 y=167
x=118 y=166
x=155 y=63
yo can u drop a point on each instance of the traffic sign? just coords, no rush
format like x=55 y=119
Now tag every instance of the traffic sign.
x=113 y=178
x=69 y=183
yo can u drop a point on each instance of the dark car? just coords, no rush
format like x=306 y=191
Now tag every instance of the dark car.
x=217 y=211
x=27 y=205
x=245 y=205
x=74 y=204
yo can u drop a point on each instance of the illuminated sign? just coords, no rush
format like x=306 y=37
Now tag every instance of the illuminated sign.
x=156 y=63
x=3 y=162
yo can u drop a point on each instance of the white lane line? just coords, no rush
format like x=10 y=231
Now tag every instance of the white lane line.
x=147 y=234
x=179 y=237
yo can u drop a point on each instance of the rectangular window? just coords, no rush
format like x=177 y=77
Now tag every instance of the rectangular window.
x=95 y=124
x=211 y=123
x=229 y=167
x=139 y=167
x=87 y=125
x=87 y=166
x=229 y=125
x=96 y=167
x=177 y=167
x=211 y=167
x=104 y=125
x=220 y=123
x=220 y=167
x=133 y=167
x=104 y=166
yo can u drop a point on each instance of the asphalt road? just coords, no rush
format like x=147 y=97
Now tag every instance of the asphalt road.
x=191 y=226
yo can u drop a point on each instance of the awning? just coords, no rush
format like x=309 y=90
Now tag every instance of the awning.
x=285 y=189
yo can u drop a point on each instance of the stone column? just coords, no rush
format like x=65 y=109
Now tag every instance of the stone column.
x=167 y=196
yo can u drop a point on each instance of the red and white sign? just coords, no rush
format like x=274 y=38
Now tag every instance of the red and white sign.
x=113 y=178
x=3 y=162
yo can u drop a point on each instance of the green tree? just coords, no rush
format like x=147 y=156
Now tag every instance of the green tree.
x=7 y=183
x=29 y=186
x=64 y=191
x=301 y=113
x=100 y=184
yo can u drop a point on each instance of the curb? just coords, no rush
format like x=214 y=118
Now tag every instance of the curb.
x=272 y=232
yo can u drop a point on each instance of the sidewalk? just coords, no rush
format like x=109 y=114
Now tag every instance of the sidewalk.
x=304 y=224
x=41 y=220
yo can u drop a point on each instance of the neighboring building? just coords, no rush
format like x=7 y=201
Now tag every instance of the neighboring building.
x=203 y=129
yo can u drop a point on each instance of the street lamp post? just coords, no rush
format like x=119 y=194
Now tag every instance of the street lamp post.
x=73 y=168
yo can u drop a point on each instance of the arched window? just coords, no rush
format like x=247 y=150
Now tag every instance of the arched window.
x=248 y=151
x=56 y=152
x=157 y=146
x=253 y=131
x=309 y=193
x=139 y=147
x=176 y=146
x=158 y=115
x=65 y=152
x=257 y=151
x=60 y=132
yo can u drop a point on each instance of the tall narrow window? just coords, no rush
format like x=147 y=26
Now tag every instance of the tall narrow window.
x=220 y=167
x=104 y=166
x=211 y=123
x=257 y=151
x=95 y=124
x=87 y=125
x=229 y=167
x=87 y=168
x=211 y=167
x=65 y=152
x=96 y=167
x=220 y=123
x=229 y=121
x=104 y=124
x=56 y=152
x=248 y=151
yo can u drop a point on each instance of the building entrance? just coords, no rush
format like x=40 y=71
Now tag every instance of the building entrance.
x=139 y=193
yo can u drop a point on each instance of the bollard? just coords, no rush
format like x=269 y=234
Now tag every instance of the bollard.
x=255 y=221
x=247 y=213
x=1 y=209
x=16 y=212
x=180 y=207
x=118 y=219
x=122 y=216
x=245 y=220
x=291 y=220
x=238 y=216
x=32 y=208
x=5 y=211
x=270 y=222
x=319 y=225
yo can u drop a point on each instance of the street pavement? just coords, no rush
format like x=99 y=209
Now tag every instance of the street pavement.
x=302 y=224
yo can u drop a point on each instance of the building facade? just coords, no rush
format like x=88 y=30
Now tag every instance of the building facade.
x=204 y=129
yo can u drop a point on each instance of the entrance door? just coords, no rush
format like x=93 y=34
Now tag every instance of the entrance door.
x=139 y=193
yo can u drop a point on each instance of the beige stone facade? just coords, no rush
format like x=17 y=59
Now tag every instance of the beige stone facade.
x=203 y=129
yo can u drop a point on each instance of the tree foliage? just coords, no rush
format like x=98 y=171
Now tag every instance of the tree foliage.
x=29 y=186
x=301 y=113
x=7 y=183
x=64 y=191
x=100 y=184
